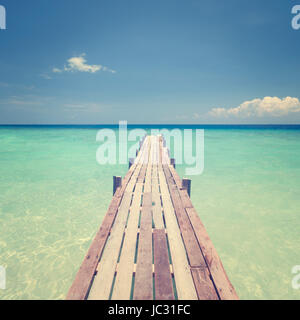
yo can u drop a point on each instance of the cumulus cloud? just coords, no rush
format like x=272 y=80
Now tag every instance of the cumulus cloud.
x=268 y=106
x=80 y=64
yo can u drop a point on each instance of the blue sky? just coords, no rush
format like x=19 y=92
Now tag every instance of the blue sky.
x=170 y=61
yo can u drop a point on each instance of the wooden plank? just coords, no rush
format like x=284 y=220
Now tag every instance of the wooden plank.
x=165 y=159
x=143 y=288
x=194 y=253
x=193 y=249
x=183 y=278
x=123 y=280
x=160 y=149
x=133 y=180
x=85 y=274
x=145 y=148
x=204 y=285
x=156 y=201
x=102 y=283
x=187 y=203
x=224 y=287
x=84 y=277
x=147 y=186
x=154 y=148
x=175 y=176
x=189 y=243
x=142 y=174
x=163 y=279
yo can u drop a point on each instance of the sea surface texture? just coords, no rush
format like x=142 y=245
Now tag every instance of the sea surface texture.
x=54 y=195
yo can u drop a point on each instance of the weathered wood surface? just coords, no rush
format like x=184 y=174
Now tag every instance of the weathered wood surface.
x=143 y=289
x=163 y=278
x=151 y=240
x=220 y=279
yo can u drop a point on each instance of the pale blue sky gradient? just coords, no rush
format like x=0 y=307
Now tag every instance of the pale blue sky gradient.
x=174 y=61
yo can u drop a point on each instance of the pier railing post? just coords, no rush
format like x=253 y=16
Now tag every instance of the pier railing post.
x=186 y=184
x=131 y=162
x=117 y=182
x=172 y=162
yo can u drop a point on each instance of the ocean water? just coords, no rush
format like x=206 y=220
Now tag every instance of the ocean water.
x=54 y=195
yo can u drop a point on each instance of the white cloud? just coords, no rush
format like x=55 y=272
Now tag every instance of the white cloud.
x=56 y=70
x=268 y=106
x=80 y=64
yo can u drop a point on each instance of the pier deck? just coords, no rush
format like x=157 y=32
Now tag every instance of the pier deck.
x=152 y=243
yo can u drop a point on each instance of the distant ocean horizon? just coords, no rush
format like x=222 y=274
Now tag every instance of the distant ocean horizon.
x=54 y=195
x=204 y=126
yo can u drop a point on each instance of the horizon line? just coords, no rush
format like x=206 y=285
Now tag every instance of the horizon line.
x=152 y=124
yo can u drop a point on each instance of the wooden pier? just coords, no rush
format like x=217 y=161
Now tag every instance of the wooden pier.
x=152 y=243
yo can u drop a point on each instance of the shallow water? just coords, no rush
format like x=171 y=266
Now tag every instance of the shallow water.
x=53 y=196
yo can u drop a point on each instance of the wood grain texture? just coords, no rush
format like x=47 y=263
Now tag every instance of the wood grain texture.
x=106 y=268
x=109 y=268
x=84 y=277
x=143 y=287
x=123 y=281
x=194 y=253
x=163 y=279
x=204 y=285
x=220 y=279
x=183 y=278
x=102 y=283
x=122 y=287
x=156 y=200
x=224 y=287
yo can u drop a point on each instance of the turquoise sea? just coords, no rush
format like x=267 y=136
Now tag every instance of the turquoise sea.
x=53 y=196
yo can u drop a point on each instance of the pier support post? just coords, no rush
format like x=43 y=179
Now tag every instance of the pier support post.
x=186 y=184
x=168 y=152
x=117 y=182
x=172 y=162
x=131 y=162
